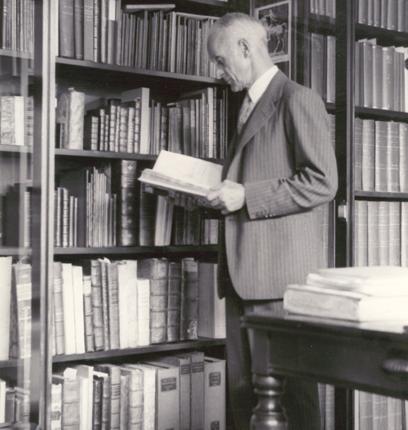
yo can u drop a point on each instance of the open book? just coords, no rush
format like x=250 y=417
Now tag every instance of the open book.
x=182 y=173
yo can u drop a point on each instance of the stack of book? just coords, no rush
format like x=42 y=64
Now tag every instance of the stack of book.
x=105 y=305
x=14 y=404
x=136 y=123
x=381 y=76
x=17 y=23
x=381 y=229
x=135 y=36
x=324 y=7
x=380 y=155
x=389 y=14
x=369 y=293
x=184 y=391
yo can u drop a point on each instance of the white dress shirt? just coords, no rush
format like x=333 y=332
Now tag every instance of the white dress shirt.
x=257 y=89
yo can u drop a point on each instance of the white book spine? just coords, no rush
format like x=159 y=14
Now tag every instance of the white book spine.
x=69 y=309
x=78 y=292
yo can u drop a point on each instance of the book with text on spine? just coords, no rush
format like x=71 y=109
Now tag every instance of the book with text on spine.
x=184 y=174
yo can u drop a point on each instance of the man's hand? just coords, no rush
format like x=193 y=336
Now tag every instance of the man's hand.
x=228 y=197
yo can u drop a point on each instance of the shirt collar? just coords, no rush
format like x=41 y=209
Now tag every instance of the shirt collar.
x=257 y=89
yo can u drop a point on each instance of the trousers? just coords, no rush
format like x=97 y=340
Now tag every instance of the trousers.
x=300 y=399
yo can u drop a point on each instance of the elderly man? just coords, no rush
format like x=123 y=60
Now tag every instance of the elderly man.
x=280 y=167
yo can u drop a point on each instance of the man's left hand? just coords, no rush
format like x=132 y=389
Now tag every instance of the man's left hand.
x=228 y=197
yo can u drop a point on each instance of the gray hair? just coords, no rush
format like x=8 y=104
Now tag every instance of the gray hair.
x=241 y=26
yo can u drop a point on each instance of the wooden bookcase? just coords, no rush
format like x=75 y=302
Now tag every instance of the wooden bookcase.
x=40 y=74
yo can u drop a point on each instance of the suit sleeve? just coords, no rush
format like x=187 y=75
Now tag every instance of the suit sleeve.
x=314 y=181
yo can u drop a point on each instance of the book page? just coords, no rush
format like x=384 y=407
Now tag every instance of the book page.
x=188 y=170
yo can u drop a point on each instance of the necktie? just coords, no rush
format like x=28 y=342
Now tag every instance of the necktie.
x=244 y=112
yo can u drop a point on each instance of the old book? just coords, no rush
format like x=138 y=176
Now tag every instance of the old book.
x=189 y=299
x=97 y=402
x=134 y=414
x=71 y=399
x=147 y=220
x=368 y=155
x=113 y=304
x=197 y=390
x=142 y=95
x=103 y=264
x=20 y=337
x=66 y=28
x=114 y=394
x=343 y=304
x=92 y=267
x=70 y=119
x=5 y=287
x=358 y=153
x=68 y=301
x=104 y=408
x=85 y=376
x=88 y=314
x=143 y=312
x=155 y=270
x=88 y=29
x=58 y=309
x=78 y=293
x=383 y=232
x=56 y=405
x=167 y=396
x=127 y=187
x=393 y=157
x=380 y=163
x=173 y=301
x=214 y=393
x=177 y=172
x=394 y=234
x=183 y=363
x=211 y=309
x=149 y=394
x=79 y=29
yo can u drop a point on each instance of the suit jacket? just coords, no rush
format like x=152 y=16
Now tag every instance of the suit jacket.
x=285 y=160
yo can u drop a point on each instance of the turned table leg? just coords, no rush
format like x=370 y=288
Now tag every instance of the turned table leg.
x=268 y=413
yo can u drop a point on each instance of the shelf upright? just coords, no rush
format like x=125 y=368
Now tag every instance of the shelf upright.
x=345 y=111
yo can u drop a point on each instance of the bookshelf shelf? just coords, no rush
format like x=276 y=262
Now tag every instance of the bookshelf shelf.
x=381 y=114
x=14 y=251
x=380 y=195
x=103 y=154
x=180 y=250
x=62 y=152
x=16 y=149
x=151 y=349
x=383 y=35
x=15 y=54
x=90 y=68
x=322 y=24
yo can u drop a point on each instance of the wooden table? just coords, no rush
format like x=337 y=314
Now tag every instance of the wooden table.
x=368 y=356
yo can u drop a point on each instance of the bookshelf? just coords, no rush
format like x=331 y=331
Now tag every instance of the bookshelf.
x=97 y=82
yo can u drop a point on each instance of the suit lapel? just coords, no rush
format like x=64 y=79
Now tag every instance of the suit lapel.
x=264 y=109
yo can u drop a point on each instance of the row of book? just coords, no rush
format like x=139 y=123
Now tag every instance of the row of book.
x=86 y=208
x=380 y=155
x=163 y=40
x=323 y=66
x=185 y=391
x=381 y=233
x=136 y=123
x=106 y=206
x=389 y=14
x=381 y=77
x=323 y=7
x=16 y=120
x=106 y=305
x=380 y=412
x=14 y=404
x=17 y=25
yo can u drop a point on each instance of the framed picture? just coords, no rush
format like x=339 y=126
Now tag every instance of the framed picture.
x=277 y=19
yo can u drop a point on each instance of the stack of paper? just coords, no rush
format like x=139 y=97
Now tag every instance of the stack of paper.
x=372 y=293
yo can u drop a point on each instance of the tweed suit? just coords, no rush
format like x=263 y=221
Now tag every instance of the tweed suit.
x=284 y=159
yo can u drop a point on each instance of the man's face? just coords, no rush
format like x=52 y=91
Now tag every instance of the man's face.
x=233 y=65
